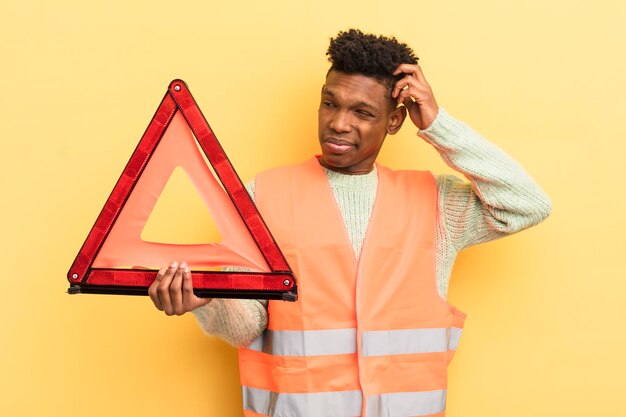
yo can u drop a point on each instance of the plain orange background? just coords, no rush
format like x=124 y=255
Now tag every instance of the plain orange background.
x=81 y=80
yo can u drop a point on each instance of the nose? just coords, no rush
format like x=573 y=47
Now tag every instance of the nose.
x=340 y=122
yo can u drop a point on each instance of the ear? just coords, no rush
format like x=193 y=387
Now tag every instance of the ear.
x=396 y=119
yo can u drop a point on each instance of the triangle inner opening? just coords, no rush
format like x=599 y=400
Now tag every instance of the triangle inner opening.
x=180 y=215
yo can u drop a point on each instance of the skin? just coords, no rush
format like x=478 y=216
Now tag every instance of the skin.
x=172 y=290
x=414 y=92
x=355 y=115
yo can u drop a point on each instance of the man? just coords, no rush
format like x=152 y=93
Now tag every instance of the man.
x=372 y=249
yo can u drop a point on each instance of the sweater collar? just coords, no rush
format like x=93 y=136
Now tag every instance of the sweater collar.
x=356 y=182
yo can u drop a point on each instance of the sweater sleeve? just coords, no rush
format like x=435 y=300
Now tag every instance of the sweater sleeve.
x=236 y=321
x=500 y=198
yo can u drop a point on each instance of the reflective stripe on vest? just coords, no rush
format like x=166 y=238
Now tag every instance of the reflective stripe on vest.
x=343 y=403
x=306 y=343
x=407 y=404
x=343 y=341
x=317 y=404
x=400 y=342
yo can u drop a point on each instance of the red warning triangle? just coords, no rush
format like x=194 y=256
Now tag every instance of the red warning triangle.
x=115 y=260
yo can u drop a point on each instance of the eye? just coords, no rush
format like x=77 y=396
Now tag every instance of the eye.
x=364 y=114
x=328 y=104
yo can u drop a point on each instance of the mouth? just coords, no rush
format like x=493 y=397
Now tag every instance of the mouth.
x=335 y=145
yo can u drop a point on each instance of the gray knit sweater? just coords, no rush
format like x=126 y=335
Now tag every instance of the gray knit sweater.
x=500 y=199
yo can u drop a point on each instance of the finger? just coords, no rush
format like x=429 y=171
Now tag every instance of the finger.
x=411 y=69
x=419 y=74
x=402 y=84
x=163 y=289
x=190 y=299
x=176 y=290
x=417 y=91
x=152 y=290
x=406 y=68
x=414 y=71
x=407 y=94
x=411 y=105
x=187 y=285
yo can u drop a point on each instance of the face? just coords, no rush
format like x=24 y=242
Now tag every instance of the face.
x=355 y=115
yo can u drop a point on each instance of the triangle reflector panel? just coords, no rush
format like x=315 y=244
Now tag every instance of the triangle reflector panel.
x=115 y=260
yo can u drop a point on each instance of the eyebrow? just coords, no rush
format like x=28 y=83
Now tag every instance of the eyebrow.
x=329 y=93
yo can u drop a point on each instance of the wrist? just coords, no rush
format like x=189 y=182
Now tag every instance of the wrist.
x=440 y=118
x=430 y=117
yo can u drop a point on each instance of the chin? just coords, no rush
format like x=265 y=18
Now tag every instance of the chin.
x=332 y=162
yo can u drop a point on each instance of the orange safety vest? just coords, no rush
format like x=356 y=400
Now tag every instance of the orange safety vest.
x=371 y=338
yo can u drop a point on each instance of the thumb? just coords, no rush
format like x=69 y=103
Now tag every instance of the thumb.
x=188 y=294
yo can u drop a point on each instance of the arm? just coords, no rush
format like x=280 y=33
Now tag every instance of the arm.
x=500 y=198
x=238 y=322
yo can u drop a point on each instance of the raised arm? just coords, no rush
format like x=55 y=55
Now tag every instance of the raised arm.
x=500 y=198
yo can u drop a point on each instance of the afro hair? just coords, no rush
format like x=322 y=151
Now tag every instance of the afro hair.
x=355 y=52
